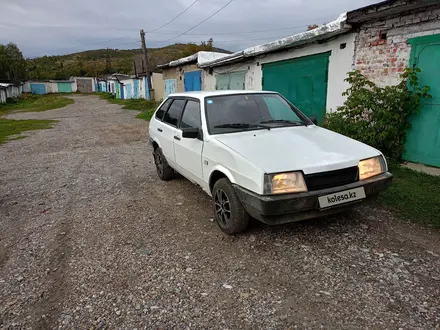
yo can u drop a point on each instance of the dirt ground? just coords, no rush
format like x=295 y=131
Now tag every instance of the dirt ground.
x=90 y=238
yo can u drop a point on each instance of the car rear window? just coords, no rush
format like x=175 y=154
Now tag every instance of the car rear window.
x=160 y=112
x=173 y=114
x=191 y=115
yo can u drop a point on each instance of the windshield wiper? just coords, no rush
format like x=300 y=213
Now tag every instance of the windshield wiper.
x=283 y=121
x=238 y=125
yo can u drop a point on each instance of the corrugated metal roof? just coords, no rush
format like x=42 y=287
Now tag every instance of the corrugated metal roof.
x=61 y=81
x=322 y=32
x=199 y=57
x=386 y=8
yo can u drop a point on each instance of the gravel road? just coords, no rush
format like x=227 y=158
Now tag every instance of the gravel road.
x=91 y=239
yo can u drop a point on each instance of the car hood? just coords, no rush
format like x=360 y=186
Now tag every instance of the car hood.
x=311 y=149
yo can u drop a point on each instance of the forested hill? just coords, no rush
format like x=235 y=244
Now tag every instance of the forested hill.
x=108 y=61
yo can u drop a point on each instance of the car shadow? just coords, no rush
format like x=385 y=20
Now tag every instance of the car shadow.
x=346 y=220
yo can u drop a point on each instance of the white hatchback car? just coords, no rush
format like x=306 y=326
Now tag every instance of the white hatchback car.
x=257 y=155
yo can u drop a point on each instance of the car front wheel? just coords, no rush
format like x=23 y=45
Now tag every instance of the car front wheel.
x=229 y=213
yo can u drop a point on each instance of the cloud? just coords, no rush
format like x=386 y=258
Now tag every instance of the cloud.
x=50 y=27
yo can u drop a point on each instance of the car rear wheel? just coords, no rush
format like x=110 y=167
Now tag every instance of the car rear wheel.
x=229 y=213
x=164 y=171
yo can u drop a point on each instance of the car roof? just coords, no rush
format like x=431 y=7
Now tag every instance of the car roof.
x=204 y=94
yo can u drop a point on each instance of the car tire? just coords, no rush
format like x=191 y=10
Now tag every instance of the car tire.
x=164 y=171
x=229 y=213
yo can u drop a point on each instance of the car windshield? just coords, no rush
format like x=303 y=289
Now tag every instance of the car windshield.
x=240 y=112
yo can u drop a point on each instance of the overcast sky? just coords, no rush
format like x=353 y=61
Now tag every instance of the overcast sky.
x=53 y=27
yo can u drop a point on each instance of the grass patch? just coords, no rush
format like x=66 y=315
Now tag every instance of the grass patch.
x=9 y=127
x=147 y=107
x=146 y=115
x=414 y=196
x=35 y=103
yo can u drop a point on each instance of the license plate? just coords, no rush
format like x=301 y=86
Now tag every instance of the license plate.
x=341 y=197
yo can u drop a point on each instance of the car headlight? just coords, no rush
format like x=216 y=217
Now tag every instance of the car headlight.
x=283 y=183
x=371 y=167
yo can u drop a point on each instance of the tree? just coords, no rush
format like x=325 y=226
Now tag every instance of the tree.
x=12 y=62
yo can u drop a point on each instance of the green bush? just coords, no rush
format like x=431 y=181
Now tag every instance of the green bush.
x=379 y=116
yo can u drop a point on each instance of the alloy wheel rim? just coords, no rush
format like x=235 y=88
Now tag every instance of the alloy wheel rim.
x=222 y=207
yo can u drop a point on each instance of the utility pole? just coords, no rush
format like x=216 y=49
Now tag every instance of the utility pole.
x=134 y=68
x=144 y=51
x=107 y=61
x=96 y=72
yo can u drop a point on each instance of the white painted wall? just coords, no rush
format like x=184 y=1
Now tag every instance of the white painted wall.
x=125 y=82
x=340 y=63
x=27 y=87
x=13 y=91
x=74 y=86
x=51 y=87
x=2 y=95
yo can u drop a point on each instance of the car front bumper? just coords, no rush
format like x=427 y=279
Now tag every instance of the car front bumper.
x=278 y=209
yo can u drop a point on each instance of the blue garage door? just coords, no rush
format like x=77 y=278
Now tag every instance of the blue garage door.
x=147 y=89
x=193 y=81
x=128 y=90
x=170 y=86
x=38 y=88
x=136 y=91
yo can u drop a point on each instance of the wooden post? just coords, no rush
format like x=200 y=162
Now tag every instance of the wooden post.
x=147 y=74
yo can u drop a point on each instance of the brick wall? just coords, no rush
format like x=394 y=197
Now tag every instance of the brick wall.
x=382 y=50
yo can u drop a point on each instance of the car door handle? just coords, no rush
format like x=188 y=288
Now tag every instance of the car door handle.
x=177 y=138
x=159 y=129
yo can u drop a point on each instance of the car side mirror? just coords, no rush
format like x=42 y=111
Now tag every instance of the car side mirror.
x=314 y=120
x=190 y=133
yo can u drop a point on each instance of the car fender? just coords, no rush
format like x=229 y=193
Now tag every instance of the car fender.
x=224 y=170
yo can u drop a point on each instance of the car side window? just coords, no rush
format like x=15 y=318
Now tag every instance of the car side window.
x=173 y=114
x=160 y=112
x=191 y=115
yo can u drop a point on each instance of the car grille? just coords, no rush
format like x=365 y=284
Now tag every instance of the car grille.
x=323 y=180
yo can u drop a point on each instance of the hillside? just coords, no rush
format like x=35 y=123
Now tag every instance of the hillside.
x=108 y=61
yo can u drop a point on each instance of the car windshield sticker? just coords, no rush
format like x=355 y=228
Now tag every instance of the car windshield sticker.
x=210 y=101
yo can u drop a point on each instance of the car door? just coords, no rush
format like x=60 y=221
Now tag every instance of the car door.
x=156 y=125
x=188 y=151
x=169 y=125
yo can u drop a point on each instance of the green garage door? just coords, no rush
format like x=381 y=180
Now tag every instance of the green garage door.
x=231 y=81
x=303 y=81
x=423 y=139
x=64 y=87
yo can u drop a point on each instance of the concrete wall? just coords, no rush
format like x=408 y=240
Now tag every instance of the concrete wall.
x=178 y=74
x=340 y=63
x=383 y=59
x=158 y=83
